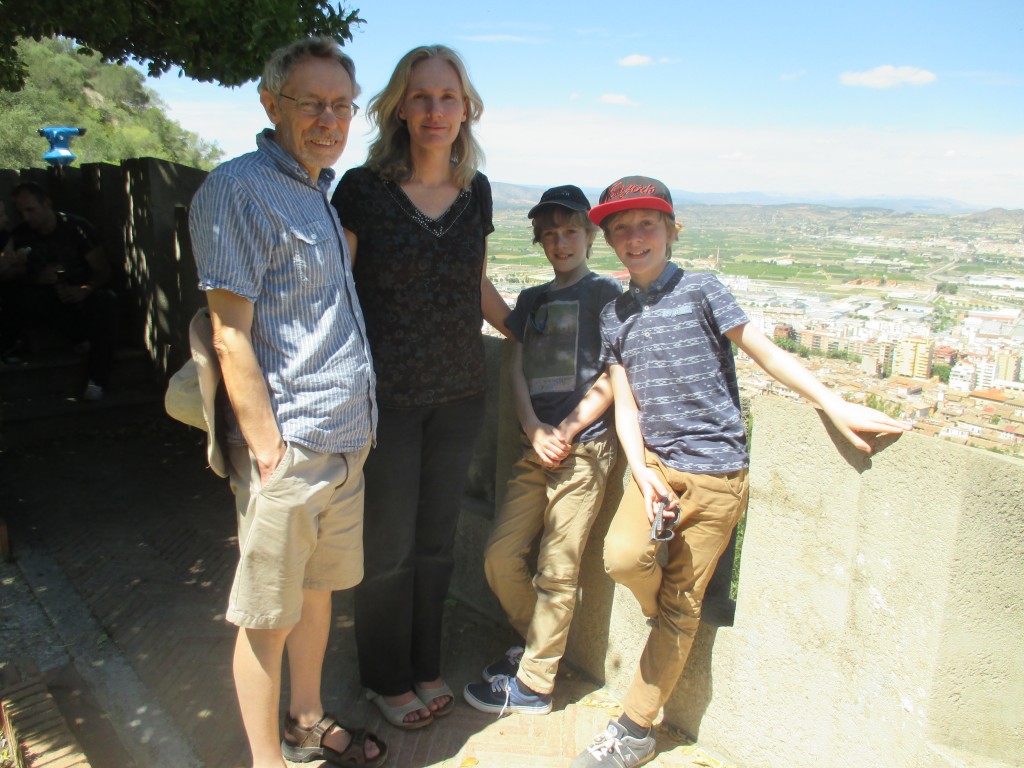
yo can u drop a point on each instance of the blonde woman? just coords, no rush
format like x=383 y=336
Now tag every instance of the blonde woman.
x=417 y=216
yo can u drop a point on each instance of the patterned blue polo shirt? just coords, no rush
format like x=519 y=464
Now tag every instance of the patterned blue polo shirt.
x=671 y=341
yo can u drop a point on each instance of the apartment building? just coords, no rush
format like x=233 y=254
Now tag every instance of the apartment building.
x=912 y=357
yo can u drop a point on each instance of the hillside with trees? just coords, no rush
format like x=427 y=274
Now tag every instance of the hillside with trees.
x=122 y=117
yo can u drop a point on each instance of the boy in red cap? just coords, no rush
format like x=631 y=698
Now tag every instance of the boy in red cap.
x=667 y=343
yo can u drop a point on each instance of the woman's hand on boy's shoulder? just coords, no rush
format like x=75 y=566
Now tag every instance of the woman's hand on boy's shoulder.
x=851 y=419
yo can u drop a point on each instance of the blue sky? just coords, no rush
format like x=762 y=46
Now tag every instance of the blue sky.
x=807 y=99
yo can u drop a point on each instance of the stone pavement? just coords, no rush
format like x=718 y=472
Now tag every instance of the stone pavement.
x=125 y=547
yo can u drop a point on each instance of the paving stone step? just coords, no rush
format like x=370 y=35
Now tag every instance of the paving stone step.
x=35 y=731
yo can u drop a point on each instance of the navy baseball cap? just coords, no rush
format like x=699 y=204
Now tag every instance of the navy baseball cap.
x=567 y=196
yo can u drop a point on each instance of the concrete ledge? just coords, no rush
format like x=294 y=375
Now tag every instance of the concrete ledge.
x=879 y=613
x=880 y=607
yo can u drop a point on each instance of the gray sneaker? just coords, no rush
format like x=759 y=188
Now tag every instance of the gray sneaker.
x=615 y=748
x=506 y=666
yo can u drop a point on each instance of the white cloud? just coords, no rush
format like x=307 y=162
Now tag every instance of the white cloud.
x=888 y=76
x=620 y=99
x=636 y=60
x=667 y=60
x=793 y=75
x=582 y=146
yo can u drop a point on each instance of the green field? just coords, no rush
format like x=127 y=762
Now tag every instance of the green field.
x=791 y=247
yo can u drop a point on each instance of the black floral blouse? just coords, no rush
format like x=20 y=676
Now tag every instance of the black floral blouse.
x=418 y=281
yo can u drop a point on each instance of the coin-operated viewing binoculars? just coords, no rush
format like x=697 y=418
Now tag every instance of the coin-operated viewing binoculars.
x=60 y=137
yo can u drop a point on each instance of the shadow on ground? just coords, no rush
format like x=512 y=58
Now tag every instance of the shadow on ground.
x=124 y=547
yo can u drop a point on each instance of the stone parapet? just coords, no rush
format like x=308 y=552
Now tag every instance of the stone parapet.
x=879 y=613
x=880 y=606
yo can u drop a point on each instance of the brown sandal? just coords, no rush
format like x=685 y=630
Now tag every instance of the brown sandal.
x=301 y=745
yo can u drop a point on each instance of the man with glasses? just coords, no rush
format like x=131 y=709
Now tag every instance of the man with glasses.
x=290 y=339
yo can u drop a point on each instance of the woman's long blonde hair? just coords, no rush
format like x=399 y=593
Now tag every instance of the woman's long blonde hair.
x=390 y=155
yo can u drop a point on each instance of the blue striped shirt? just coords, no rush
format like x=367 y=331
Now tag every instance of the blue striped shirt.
x=671 y=341
x=263 y=231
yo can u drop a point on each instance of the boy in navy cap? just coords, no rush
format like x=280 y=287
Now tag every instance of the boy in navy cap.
x=667 y=342
x=568 y=449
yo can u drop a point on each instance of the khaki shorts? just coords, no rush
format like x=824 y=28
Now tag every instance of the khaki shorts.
x=302 y=530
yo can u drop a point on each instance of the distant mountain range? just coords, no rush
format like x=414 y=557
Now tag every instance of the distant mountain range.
x=514 y=196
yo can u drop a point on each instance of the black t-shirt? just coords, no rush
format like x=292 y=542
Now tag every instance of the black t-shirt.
x=560 y=330
x=65 y=246
x=418 y=281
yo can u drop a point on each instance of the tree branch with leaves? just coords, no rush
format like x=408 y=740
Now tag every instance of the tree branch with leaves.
x=226 y=41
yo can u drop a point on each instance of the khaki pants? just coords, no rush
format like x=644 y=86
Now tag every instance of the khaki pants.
x=710 y=507
x=562 y=503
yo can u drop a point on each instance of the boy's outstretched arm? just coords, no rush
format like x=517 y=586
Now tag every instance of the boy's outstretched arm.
x=587 y=410
x=547 y=441
x=849 y=418
x=627 y=425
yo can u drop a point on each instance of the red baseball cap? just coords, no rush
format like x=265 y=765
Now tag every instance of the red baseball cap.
x=632 y=192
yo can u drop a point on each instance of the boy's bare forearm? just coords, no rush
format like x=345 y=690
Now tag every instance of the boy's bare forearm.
x=246 y=386
x=589 y=409
x=627 y=419
x=521 y=392
x=849 y=418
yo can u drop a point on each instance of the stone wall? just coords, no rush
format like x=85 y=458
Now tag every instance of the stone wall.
x=161 y=272
x=880 y=608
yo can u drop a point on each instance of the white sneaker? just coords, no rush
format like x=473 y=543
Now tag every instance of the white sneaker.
x=506 y=666
x=93 y=392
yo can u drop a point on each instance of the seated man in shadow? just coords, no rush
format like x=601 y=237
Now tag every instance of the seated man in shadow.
x=56 y=275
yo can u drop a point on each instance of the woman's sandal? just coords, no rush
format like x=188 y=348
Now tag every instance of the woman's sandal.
x=301 y=745
x=395 y=713
x=429 y=694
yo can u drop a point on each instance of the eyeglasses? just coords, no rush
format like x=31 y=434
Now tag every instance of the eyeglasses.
x=342 y=110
